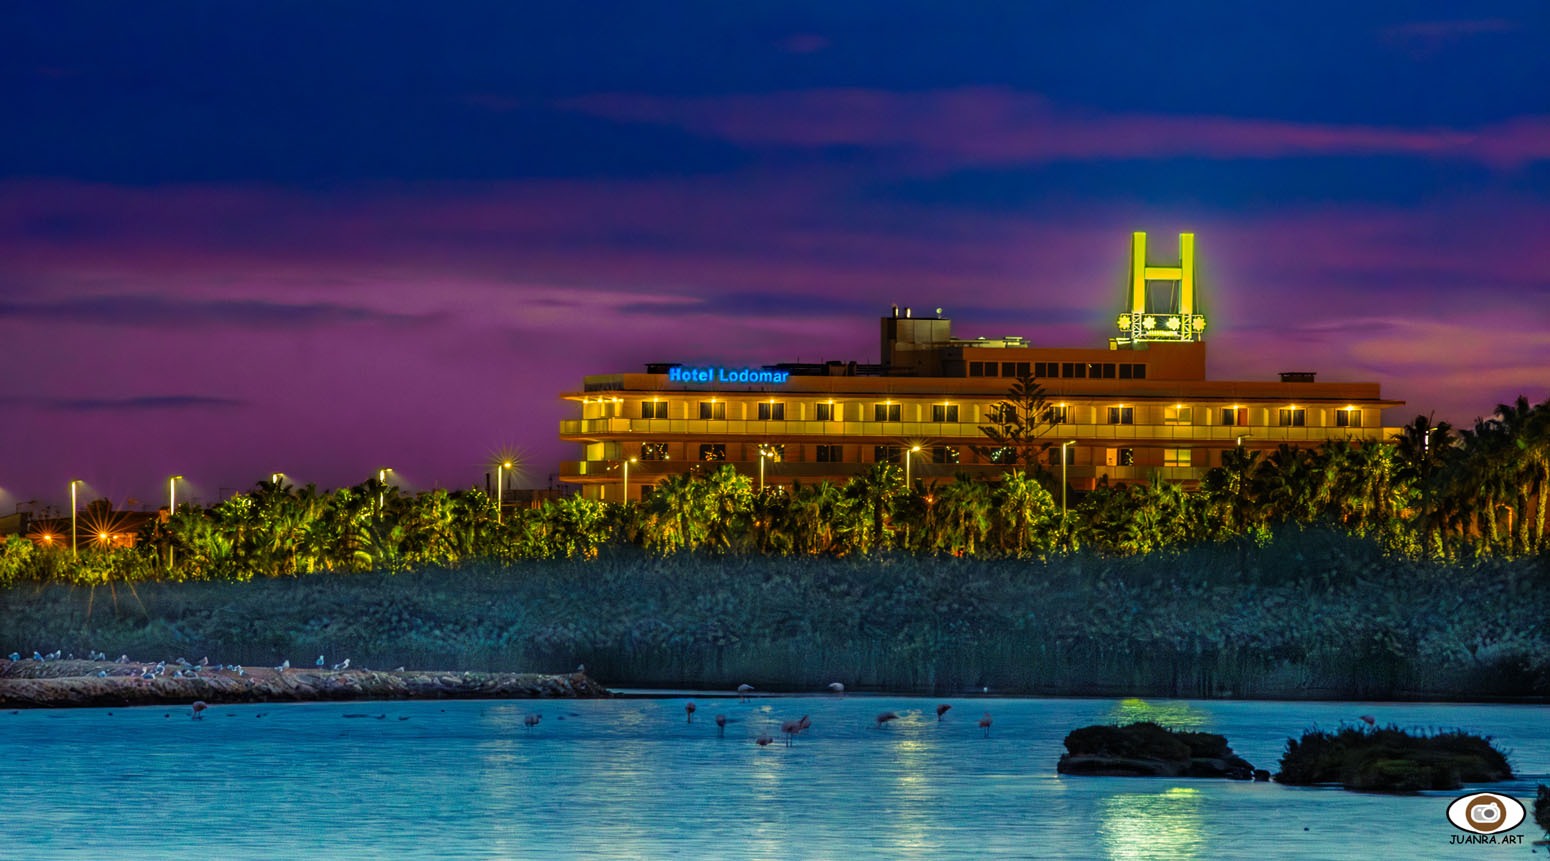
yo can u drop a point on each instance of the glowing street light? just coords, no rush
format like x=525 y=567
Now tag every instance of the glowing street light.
x=382 y=494
x=74 y=553
x=172 y=508
x=500 y=485
x=908 y=452
x=764 y=452
x=274 y=478
x=1063 y=447
x=626 y=486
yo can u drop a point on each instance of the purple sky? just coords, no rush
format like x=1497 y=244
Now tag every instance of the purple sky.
x=322 y=240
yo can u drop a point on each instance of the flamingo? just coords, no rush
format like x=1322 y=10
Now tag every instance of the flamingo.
x=885 y=717
x=721 y=725
x=837 y=687
x=985 y=724
x=198 y=707
x=342 y=665
x=792 y=727
x=532 y=720
x=763 y=741
x=942 y=710
x=689 y=710
x=743 y=691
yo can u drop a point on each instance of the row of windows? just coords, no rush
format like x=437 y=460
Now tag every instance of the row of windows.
x=941 y=454
x=1067 y=370
x=943 y=413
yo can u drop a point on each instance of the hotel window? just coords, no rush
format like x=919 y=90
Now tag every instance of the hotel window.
x=1073 y=369
x=944 y=454
x=829 y=454
x=825 y=413
x=1024 y=369
x=1179 y=415
x=887 y=454
x=1235 y=416
x=1052 y=455
x=1008 y=369
x=653 y=451
x=885 y=412
x=977 y=369
x=713 y=451
x=1122 y=415
x=1046 y=369
x=1004 y=454
x=713 y=410
x=772 y=412
x=1293 y=417
x=1348 y=418
x=1002 y=413
x=1175 y=457
x=1127 y=457
x=772 y=453
x=1056 y=415
x=653 y=409
x=1132 y=372
x=944 y=412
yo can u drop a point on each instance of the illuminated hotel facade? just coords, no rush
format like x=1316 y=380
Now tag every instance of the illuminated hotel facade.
x=1138 y=408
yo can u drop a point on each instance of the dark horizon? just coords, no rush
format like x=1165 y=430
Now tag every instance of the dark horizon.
x=324 y=240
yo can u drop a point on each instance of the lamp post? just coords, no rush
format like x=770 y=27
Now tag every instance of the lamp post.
x=172 y=508
x=382 y=494
x=274 y=478
x=626 y=485
x=74 y=553
x=500 y=486
x=907 y=454
x=1063 y=447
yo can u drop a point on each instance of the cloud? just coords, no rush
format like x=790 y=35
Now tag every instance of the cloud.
x=165 y=311
x=945 y=129
x=143 y=403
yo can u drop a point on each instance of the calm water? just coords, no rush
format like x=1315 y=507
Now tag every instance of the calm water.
x=629 y=778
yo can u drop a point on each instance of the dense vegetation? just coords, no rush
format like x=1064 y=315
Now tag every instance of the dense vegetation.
x=1311 y=613
x=1389 y=759
x=1363 y=570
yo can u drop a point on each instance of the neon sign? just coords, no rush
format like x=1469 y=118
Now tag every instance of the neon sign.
x=725 y=375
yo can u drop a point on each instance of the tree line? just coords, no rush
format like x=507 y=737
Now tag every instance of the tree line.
x=1433 y=492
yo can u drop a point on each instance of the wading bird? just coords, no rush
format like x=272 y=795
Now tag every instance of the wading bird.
x=198 y=708
x=764 y=741
x=532 y=720
x=985 y=724
x=1369 y=720
x=721 y=725
x=743 y=691
x=942 y=710
x=837 y=687
x=885 y=717
x=689 y=711
x=342 y=665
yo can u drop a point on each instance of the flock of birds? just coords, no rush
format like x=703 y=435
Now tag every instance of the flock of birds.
x=187 y=669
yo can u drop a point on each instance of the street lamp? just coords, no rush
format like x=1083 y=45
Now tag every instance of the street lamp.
x=500 y=485
x=274 y=478
x=1063 y=447
x=911 y=450
x=172 y=508
x=764 y=452
x=382 y=494
x=74 y=553
x=626 y=486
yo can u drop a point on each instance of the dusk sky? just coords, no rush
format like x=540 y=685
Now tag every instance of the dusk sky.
x=321 y=238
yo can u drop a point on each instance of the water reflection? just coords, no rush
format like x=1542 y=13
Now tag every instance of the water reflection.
x=1166 y=824
x=1173 y=714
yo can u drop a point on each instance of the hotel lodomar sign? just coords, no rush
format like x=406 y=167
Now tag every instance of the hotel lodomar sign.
x=725 y=375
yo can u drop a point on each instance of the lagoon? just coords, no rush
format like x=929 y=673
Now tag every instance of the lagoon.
x=631 y=778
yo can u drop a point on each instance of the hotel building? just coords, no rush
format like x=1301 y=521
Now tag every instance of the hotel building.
x=1139 y=407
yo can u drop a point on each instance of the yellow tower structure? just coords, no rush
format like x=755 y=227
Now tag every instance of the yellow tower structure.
x=1174 y=320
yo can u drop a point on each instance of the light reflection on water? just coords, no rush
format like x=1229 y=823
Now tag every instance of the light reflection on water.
x=631 y=778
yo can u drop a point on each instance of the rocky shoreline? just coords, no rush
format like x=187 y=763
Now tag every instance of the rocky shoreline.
x=72 y=683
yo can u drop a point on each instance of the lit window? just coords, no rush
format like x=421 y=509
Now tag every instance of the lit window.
x=713 y=410
x=1348 y=418
x=1127 y=457
x=1176 y=457
x=944 y=412
x=885 y=412
x=1235 y=415
x=1122 y=415
x=772 y=412
x=653 y=451
x=653 y=409
x=1056 y=415
x=1179 y=415
x=1293 y=417
x=713 y=451
x=825 y=413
